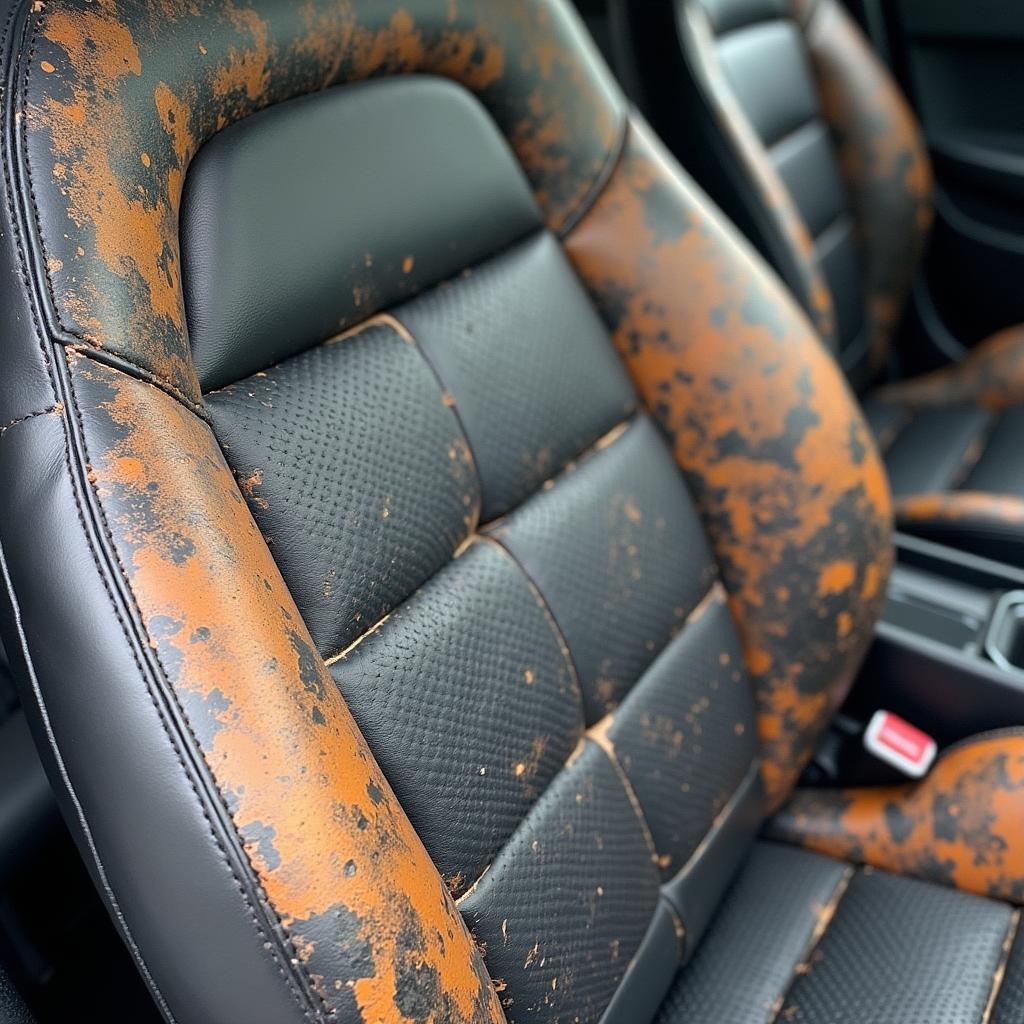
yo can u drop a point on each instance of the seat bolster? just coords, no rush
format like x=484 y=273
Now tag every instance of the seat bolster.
x=963 y=825
x=145 y=832
x=991 y=375
x=883 y=159
x=780 y=462
x=299 y=866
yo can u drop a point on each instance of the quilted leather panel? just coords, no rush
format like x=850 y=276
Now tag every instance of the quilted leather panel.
x=762 y=931
x=616 y=546
x=520 y=328
x=767 y=68
x=357 y=473
x=780 y=103
x=566 y=904
x=899 y=951
x=807 y=166
x=685 y=735
x=469 y=702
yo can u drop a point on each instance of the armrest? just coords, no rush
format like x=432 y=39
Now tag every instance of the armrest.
x=962 y=825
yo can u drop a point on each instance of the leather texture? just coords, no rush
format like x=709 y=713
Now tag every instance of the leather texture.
x=787 y=480
x=830 y=150
x=443 y=668
x=1009 y=1003
x=960 y=826
x=801 y=937
x=12 y=1009
x=787 y=115
x=311 y=436
x=318 y=268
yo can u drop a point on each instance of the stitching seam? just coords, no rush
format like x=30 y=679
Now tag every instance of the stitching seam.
x=56 y=409
x=11 y=211
x=268 y=945
x=77 y=336
x=1000 y=972
x=611 y=161
x=826 y=916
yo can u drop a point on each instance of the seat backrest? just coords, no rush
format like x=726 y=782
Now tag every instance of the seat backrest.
x=460 y=536
x=804 y=138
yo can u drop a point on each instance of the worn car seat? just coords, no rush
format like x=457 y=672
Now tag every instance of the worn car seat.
x=459 y=536
x=782 y=109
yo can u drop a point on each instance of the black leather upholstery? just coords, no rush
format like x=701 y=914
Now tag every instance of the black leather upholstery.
x=580 y=500
x=418 y=688
x=793 y=126
x=803 y=938
x=319 y=262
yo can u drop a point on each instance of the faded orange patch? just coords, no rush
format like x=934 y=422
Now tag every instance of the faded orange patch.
x=962 y=825
x=728 y=364
x=836 y=577
x=285 y=746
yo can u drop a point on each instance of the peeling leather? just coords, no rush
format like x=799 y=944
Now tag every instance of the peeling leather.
x=362 y=906
x=787 y=479
x=882 y=157
x=963 y=825
x=120 y=94
x=991 y=375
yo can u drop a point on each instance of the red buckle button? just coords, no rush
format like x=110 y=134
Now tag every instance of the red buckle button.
x=897 y=742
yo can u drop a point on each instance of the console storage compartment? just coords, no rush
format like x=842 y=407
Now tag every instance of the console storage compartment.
x=949 y=650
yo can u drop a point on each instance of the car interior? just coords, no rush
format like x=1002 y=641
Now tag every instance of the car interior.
x=512 y=511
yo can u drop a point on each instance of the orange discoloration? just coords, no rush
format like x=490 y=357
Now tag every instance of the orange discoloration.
x=247 y=68
x=325 y=835
x=836 y=577
x=114 y=97
x=883 y=159
x=991 y=375
x=960 y=507
x=776 y=453
x=963 y=825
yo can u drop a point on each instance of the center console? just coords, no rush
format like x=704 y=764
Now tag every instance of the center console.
x=948 y=656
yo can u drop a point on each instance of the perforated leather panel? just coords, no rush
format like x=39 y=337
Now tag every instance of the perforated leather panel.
x=496 y=551
x=804 y=938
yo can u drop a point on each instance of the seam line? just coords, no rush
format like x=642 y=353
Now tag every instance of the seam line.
x=171 y=695
x=1000 y=972
x=57 y=409
x=825 y=917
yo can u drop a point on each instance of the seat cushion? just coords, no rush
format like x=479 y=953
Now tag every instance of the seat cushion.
x=951 y=445
x=804 y=938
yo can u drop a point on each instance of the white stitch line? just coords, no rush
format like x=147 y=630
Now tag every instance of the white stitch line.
x=355 y=643
x=715 y=595
x=544 y=607
x=379 y=320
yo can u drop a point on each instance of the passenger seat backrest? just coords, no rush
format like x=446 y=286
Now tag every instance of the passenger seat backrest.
x=414 y=661
x=823 y=150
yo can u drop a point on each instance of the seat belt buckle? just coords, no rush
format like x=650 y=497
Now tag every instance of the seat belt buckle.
x=894 y=740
